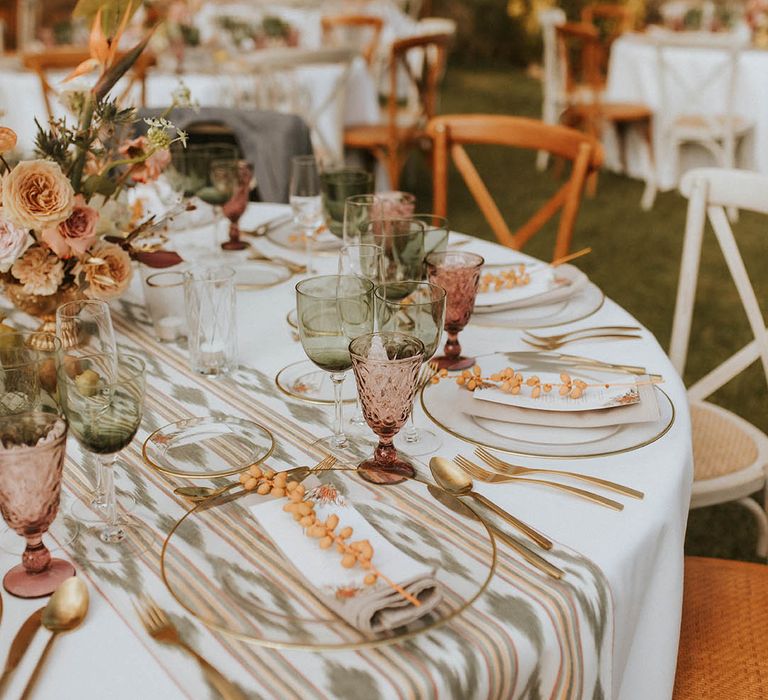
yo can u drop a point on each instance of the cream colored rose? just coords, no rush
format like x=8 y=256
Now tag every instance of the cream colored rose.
x=14 y=240
x=107 y=279
x=39 y=270
x=7 y=139
x=37 y=194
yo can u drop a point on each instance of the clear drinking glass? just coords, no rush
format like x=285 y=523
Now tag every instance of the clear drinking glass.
x=420 y=313
x=28 y=362
x=337 y=185
x=359 y=211
x=32 y=448
x=331 y=311
x=458 y=273
x=164 y=297
x=104 y=411
x=209 y=294
x=306 y=201
x=436 y=232
x=361 y=260
x=386 y=367
x=402 y=241
x=85 y=328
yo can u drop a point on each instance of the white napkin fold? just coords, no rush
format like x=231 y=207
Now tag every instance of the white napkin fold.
x=371 y=609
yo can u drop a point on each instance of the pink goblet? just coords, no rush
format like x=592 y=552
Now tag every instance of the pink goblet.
x=234 y=208
x=32 y=447
x=386 y=367
x=458 y=274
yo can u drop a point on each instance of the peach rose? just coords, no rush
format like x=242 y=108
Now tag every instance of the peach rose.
x=39 y=271
x=7 y=139
x=109 y=278
x=75 y=235
x=37 y=194
x=149 y=169
x=14 y=240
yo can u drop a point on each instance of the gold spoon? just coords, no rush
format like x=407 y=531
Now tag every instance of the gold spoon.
x=454 y=504
x=455 y=481
x=65 y=611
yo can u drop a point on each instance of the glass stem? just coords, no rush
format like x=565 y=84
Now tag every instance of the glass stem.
x=112 y=532
x=309 y=246
x=411 y=432
x=452 y=347
x=99 y=501
x=36 y=557
x=339 y=438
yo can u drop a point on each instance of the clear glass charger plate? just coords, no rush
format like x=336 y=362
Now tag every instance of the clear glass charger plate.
x=259 y=274
x=220 y=567
x=209 y=447
x=580 y=305
x=305 y=381
x=288 y=236
x=439 y=403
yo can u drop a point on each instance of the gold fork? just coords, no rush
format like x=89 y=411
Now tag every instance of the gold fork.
x=515 y=470
x=555 y=344
x=162 y=630
x=580 y=331
x=477 y=472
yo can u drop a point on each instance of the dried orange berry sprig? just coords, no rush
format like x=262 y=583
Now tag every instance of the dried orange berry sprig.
x=506 y=279
x=354 y=553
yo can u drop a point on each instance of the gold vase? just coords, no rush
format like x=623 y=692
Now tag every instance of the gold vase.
x=42 y=307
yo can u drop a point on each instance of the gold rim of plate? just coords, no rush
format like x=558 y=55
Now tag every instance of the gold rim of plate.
x=345 y=646
x=302 y=397
x=248 y=287
x=214 y=474
x=522 y=453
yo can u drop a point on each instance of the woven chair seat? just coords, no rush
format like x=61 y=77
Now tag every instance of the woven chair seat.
x=722 y=442
x=724 y=636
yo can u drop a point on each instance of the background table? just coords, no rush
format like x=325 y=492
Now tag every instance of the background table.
x=633 y=77
x=639 y=550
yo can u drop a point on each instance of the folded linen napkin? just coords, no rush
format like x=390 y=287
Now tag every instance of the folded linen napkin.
x=371 y=609
x=645 y=410
x=548 y=286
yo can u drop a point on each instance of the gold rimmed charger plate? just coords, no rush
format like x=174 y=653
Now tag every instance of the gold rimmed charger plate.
x=438 y=404
x=253 y=275
x=305 y=381
x=208 y=447
x=220 y=568
x=287 y=236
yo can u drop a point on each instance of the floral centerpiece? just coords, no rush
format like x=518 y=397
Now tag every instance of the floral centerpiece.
x=756 y=13
x=64 y=229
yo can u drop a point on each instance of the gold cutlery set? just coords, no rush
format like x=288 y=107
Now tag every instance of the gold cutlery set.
x=554 y=342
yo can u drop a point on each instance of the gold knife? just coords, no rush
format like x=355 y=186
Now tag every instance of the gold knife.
x=20 y=644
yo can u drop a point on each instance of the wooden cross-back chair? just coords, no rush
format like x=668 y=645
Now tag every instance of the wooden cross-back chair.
x=366 y=29
x=730 y=454
x=67 y=58
x=421 y=59
x=451 y=133
x=610 y=21
x=580 y=56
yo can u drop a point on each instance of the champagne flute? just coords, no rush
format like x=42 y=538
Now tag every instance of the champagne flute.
x=420 y=313
x=331 y=311
x=104 y=410
x=223 y=177
x=306 y=201
x=361 y=260
x=85 y=328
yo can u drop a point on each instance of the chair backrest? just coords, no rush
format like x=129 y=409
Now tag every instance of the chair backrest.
x=708 y=94
x=362 y=31
x=451 y=133
x=552 y=84
x=280 y=87
x=710 y=192
x=421 y=60
x=580 y=61
x=611 y=21
x=68 y=58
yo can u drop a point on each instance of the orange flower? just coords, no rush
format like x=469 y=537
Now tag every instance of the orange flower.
x=7 y=139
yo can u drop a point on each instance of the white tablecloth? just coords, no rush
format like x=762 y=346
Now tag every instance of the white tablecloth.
x=633 y=77
x=640 y=550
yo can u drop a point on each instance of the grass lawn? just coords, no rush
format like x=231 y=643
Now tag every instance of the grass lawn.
x=635 y=261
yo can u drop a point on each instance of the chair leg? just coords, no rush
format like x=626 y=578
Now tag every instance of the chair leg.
x=762 y=525
x=649 y=194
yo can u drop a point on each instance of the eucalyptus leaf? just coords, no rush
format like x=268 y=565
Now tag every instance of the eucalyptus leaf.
x=99 y=184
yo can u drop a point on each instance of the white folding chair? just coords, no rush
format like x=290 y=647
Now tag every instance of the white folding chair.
x=730 y=454
x=279 y=86
x=553 y=81
x=699 y=109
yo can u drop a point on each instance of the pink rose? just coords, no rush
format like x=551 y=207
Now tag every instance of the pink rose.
x=74 y=235
x=150 y=168
x=14 y=240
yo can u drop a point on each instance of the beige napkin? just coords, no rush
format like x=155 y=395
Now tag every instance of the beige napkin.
x=370 y=609
x=645 y=410
x=575 y=280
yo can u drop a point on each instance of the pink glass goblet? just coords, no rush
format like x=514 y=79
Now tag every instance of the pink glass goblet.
x=234 y=208
x=386 y=367
x=32 y=447
x=458 y=274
